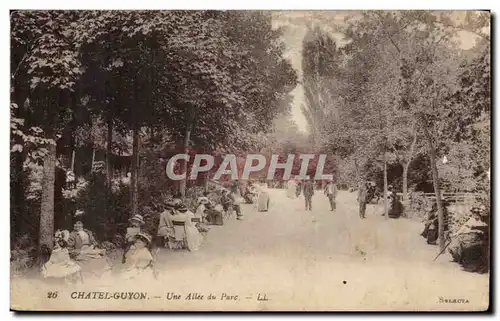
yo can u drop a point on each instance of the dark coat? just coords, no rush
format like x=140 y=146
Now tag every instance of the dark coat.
x=308 y=189
x=75 y=242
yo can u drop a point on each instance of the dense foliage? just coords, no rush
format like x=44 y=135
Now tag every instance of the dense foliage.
x=95 y=93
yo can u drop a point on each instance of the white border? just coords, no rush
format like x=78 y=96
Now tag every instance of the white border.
x=186 y=4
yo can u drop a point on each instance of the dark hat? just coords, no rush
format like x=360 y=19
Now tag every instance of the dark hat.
x=169 y=204
x=481 y=210
x=181 y=207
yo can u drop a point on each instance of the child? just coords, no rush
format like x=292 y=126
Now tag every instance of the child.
x=60 y=266
x=138 y=258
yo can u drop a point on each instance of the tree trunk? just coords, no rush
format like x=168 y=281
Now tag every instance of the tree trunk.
x=405 y=200
x=437 y=190
x=18 y=96
x=134 y=184
x=406 y=166
x=47 y=201
x=182 y=183
x=386 y=201
x=206 y=180
x=93 y=158
x=358 y=175
x=46 y=232
x=73 y=155
x=109 y=144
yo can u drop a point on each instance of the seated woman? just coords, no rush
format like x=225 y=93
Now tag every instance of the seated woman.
x=469 y=246
x=431 y=227
x=263 y=198
x=138 y=258
x=250 y=193
x=214 y=214
x=83 y=249
x=136 y=224
x=226 y=202
x=60 y=266
x=396 y=207
x=193 y=236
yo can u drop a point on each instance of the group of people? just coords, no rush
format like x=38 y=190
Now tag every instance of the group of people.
x=468 y=245
x=307 y=188
x=367 y=192
x=257 y=193
x=77 y=255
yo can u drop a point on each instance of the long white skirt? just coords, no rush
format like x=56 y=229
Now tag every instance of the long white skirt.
x=291 y=191
x=194 y=238
x=263 y=202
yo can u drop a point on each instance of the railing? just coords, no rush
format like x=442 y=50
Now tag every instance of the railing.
x=451 y=197
x=460 y=203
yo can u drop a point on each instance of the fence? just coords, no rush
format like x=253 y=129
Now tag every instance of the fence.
x=458 y=209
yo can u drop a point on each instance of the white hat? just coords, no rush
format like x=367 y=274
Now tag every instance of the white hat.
x=137 y=218
x=144 y=236
x=62 y=235
x=203 y=200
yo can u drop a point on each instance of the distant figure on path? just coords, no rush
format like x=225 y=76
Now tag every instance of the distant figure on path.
x=291 y=189
x=396 y=209
x=263 y=199
x=308 y=191
x=362 y=199
x=298 y=189
x=331 y=193
x=237 y=199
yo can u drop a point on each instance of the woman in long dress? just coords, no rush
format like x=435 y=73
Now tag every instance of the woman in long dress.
x=60 y=266
x=263 y=199
x=200 y=215
x=193 y=236
x=291 y=189
x=136 y=225
x=200 y=210
x=165 y=226
x=82 y=247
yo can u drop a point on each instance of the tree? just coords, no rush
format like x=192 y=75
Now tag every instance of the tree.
x=46 y=62
x=321 y=70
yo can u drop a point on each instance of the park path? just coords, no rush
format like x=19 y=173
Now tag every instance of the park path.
x=318 y=260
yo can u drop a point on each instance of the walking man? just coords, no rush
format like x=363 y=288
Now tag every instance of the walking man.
x=362 y=199
x=308 y=191
x=331 y=193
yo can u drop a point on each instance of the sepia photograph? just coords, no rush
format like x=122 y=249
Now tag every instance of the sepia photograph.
x=250 y=160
